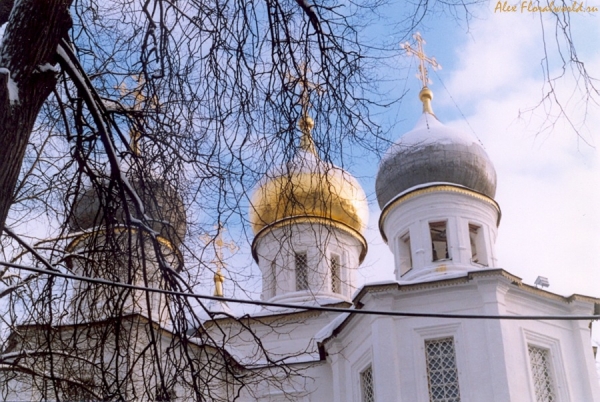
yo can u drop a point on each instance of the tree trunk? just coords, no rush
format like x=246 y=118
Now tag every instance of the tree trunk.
x=28 y=49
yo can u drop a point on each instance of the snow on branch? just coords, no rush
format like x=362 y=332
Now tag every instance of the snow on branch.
x=11 y=86
x=48 y=67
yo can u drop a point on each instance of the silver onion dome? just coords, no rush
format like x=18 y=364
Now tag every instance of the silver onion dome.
x=434 y=153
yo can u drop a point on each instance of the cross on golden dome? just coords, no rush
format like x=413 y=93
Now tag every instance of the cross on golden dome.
x=306 y=86
x=306 y=123
x=423 y=59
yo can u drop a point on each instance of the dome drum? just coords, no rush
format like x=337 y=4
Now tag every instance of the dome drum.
x=439 y=230
x=303 y=260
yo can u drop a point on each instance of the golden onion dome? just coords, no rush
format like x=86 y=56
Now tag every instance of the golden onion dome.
x=307 y=189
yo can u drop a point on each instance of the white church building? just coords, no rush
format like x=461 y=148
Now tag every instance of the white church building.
x=452 y=326
x=435 y=187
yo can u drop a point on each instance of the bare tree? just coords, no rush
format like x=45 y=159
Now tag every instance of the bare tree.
x=156 y=118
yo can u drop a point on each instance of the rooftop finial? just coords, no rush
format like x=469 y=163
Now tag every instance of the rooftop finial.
x=306 y=122
x=425 y=95
x=139 y=99
x=219 y=244
x=219 y=278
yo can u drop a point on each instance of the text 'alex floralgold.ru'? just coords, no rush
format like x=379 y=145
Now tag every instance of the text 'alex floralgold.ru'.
x=535 y=7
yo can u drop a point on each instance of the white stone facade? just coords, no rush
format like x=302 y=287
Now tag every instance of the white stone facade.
x=491 y=356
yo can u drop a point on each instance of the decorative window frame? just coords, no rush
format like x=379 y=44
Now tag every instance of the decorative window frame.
x=428 y=333
x=557 y=366
x=363 y=363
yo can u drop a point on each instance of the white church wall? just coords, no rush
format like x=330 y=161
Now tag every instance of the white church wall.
x=349 y=355
x=572 y=365
x=492 y=356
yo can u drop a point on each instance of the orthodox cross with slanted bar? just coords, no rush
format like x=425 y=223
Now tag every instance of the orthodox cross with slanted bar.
x=139 y=99
x=306 y=85
x=219 y=245
x=423 y=59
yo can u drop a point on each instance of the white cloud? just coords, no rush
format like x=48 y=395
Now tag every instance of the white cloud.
x=492 y=56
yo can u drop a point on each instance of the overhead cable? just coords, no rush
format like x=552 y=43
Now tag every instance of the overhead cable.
x=304 y=308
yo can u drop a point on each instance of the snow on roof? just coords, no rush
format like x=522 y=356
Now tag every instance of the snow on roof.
x=427 y=131
x=327 y=331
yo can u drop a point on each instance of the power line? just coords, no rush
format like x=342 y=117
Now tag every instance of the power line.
x=301 y=308
x=459 y=109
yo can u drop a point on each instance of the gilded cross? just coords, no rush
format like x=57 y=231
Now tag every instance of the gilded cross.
x=219 y=245
x=138 y=96
x=139 y=99
x=306 y=123
x=306 y=86
x=423 y=59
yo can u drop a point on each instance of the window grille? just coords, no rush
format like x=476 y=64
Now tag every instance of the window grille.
x=273 y=279
x=301 y=271
x=335 y=274
x=542 y=376
x=366 y=385
x=442 y=373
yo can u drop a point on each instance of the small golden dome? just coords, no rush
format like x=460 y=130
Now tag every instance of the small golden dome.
x=308 y=189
